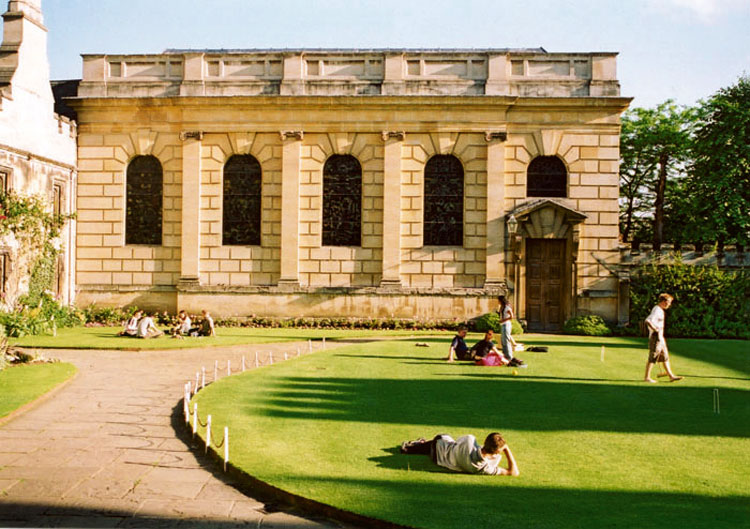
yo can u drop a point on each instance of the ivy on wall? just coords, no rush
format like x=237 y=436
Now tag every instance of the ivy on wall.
x=29 y=226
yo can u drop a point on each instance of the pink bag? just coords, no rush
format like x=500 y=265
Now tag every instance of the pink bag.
x=492 y=359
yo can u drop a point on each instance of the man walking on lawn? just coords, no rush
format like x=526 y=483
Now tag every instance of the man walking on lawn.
x=465 y=455
x=657 y=345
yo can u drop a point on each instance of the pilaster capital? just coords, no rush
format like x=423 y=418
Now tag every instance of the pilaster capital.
x=291 y=135
x=491 y=135
x=191 y=135
x=400 y=135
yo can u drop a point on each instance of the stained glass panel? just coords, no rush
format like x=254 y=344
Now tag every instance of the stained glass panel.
x=144 y=201
x=242 y=201
x=547 y=177
x=443 y=201
x=342 y=201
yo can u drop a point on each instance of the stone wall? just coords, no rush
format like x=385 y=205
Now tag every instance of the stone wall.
x=340 y=266
x=103 y=257
x=443 y=267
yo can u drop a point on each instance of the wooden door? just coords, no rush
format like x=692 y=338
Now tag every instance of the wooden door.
x=545 y=280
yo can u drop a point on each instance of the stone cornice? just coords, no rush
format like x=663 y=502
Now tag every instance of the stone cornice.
x=371 y=102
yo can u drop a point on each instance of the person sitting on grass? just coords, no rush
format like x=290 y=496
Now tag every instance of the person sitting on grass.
x=183 y=325
x=458 y=349
x=486 y=346
x=131 y=327
x=465 y=455
x=206 y=326
x=146 y=327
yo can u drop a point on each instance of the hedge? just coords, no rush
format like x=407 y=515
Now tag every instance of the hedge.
x=709 y=302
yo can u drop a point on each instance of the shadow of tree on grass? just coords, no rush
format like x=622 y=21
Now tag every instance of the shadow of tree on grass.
x=512 y=402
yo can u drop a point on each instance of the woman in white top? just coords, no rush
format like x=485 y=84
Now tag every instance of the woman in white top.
x=183 y=325
x=506 y=340
x=131 y=327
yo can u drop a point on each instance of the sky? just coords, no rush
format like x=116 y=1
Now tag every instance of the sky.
x=668 y=49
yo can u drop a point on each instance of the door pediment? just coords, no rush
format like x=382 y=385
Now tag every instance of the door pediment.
x=546 y=218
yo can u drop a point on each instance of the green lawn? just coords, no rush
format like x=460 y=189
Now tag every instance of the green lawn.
x=22 y=384
x=596 y=446
x=106 y=338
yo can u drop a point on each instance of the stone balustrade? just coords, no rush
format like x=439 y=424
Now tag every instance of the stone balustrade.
x=317 y=72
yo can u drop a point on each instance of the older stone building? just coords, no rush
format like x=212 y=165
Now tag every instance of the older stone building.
x=406 y=183
x=37 y=147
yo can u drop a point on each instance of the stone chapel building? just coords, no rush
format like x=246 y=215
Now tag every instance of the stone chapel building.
x=414 y=183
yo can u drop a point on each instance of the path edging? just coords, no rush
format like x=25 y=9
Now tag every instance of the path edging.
x=44 y=397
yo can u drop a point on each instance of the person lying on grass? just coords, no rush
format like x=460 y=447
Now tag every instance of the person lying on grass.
x=465 y=455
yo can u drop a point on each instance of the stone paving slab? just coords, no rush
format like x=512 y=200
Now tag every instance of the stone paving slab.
x=103 y=451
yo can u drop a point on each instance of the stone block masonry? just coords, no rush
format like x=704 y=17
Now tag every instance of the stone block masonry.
x=495 y=111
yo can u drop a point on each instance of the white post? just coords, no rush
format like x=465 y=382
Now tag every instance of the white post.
x=256 y=359
x=216 y=370
x=229 y=367
x=602 y=355
x=226 y=447
x=195 y=418
x=185 y=403
x=285 y=356
x=309 y=344
x=190 y=388
x=270 y=358
x=208 y=433
x=298 y=354
x=203 y=377
x=197 y=380
x=324 y=342
x=243 y=363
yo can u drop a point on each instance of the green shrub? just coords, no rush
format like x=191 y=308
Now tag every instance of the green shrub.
x=53 y=310
x=709 y=302
x=590 y=325
x=107 y=315
x=491 y=320
x=341 y=323
x=25 y=321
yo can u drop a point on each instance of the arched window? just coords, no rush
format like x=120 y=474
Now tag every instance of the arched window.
x=342 y=201
x=242 y=201
x=443 y=201
x=546 y=177
x=143 y=203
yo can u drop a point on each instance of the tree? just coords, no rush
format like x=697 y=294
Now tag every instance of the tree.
x=654 y=148
x=719 y=183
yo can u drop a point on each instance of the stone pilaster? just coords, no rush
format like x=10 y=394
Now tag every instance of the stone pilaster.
x=495 y=260
x=392 y=210
x=191 y=207
x=291 y=154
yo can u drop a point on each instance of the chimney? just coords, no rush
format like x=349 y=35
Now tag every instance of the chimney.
x=23 y=57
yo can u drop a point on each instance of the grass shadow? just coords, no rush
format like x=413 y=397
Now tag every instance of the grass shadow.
x=506 y=502
x=530 y=404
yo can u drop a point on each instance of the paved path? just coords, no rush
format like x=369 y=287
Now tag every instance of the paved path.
x=103 y=451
